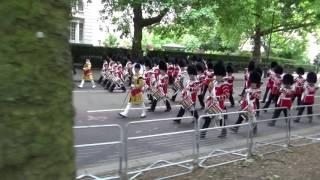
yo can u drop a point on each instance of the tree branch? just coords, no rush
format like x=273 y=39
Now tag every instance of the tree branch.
x=285 y=28
x=156 y=19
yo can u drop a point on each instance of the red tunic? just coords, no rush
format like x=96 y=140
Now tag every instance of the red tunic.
x=220 y=92
x=298 y=85
x=254 y=95
x=271 y=75
x=119 y=72
x=192 y=88
x=275 y=90
x=170 y=70
x=148 y=76
x=176 y=70
x=308 y=94
x=230 y=79
x=201 y=78
x=156 y=72
x=285 y=98
x=163 y=83
x=209 y=77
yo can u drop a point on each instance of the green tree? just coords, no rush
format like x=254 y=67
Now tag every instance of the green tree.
x=111 y=41
x=36 y=95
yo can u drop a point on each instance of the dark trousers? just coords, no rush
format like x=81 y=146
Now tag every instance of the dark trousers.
x=173 y=98
x=181 y=112
x=154 y=104
x=301 y=110
x=265 y=94
x=231 y=99
x=207 y=122
x=277 y=113
x=202 y=95
x=298 y=96
x=271 y=98
x=100 y=79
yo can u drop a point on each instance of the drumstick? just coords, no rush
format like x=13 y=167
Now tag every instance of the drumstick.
x=125 y=99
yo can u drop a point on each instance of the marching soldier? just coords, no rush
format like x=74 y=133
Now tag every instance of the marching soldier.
x=275 y=91
x=230 y=80
x=248 y=70
x=162 y=86
x=285 y=99
x=189 y=94
x=270 y=75
x=250 y=99
x=308 y=96
x=149 y=78
x=218 y=92
x=298 y=85
x=87 y=74
x=181 y=78
x=201 y=77
x=103 y=71
x=136 y=93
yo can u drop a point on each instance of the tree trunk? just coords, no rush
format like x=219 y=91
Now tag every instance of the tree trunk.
x=36 y=113
x=256 y=53
x=137 y=36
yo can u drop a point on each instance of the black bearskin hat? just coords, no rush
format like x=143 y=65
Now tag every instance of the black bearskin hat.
x=251 y=66
x=278 y=70
x=192 y=70
x=182 y=63
x=210 y=65
x=219 y=69
x=259 y=70
x=311 y=77
x=163 y=66
x=273 y=64
x=200 y=67
x=230 y=68
x=300 y=71
x=255 y=77
x=287 y=79
x=137 y=66
x=148 y=63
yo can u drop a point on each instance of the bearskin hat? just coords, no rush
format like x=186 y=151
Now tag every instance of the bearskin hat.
x=182 y=63
x=163 y=66
x=311 y=77
x=137 y=66
x=200 y=67
x=287 y=79
x=230 y=68
x=219 y=69
x=255 y=77
x=273 y=64
x=148 y=63
x=300 y=71
x=192 y=70
x=259 y=70
x=210 y=65
x=278 y=70
x=251 y=66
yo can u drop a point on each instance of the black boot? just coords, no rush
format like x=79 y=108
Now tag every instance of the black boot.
x=180 y=114
x=108 y=85
x=112 y=88
x=223 y=133
x=168 y=106
x=173 y=98
x=153 y=106
x=123 y=88
x=100 y=80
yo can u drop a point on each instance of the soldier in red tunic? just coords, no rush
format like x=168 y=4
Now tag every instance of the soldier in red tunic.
x=230 y=79
x=209 y=77
x=275 y=91
x=177 y=69
x=270 y=75
x=170 y=70
x=189 y=94
x=156 y=70
x=201 y=77
x=162 y=84
x=119 y=73
x=308 y=94
x=298 y=85
x=218 y=92
x=285 y=99
x=181 y=77
x=248 y=70
x=149 y=78
x=250 y=99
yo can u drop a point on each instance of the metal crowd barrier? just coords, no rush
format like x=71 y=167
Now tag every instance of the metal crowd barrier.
x=158 y=161
x=118 y=142
x=203 y=152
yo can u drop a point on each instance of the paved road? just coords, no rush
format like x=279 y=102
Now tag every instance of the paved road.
x=99 y=107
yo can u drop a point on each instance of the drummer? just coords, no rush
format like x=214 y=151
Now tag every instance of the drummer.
x=218 y=93
x=181 y=77
x=189 y=94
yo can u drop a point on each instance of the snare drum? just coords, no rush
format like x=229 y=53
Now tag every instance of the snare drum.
x=214 y=109
x=157 y=93
x=187 y=103
x=177 y=86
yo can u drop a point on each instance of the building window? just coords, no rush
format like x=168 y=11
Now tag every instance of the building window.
x=80 y=31
x=73 y=27
x=80 y=5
